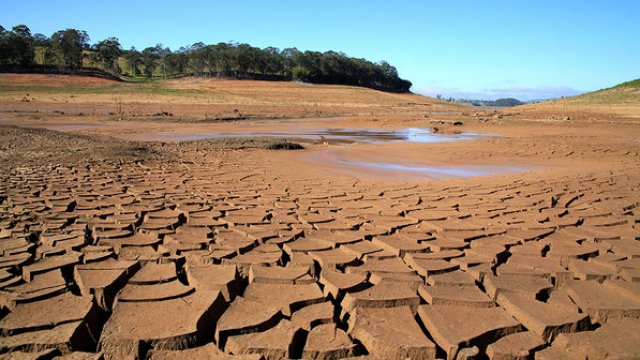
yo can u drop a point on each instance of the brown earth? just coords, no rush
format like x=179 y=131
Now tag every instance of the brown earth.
x=115 y=246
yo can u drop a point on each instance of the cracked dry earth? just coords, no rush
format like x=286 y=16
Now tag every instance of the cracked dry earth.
x=172 y=259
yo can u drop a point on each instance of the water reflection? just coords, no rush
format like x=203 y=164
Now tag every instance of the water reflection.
x=438 y=171
x=332 y=135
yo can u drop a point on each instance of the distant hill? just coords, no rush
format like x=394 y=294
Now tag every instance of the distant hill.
x=502 y=102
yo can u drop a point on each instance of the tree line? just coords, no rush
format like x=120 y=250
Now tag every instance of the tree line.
x=70 y=50
x=502 y=102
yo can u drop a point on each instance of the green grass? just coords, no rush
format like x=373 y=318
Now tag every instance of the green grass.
x=179 y=92
x=609 y=96
x=59 y=90
x=624 y=93
x=130 y=87
x=633 y=83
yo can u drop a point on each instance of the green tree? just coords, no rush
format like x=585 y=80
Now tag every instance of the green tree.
x=40 y=44
x=22 y=30
x=71 y=43
x=133 y=58
x=55 y=57
x=4 y=46
x=162 y=53
x=290 y=58
x=65 y=50
x=198 y=58
x=177 y=61
x=221 y=59
x=108 y=52
x=274 y=61
x=149 y=57
x=506 y=102
x=16 y=46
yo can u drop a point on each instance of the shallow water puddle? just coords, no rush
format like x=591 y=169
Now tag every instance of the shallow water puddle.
x=397 y=167
x=381 y=162
x=69 y=127
x=439 y=171
x=330 y=135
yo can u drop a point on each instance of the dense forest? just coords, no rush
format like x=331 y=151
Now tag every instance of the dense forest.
x=70 y=51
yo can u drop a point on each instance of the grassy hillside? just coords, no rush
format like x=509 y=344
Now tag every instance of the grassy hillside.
x=624 y=93
x=633 y=83
x=619 y=101
x=206 y=97
x=200 y=88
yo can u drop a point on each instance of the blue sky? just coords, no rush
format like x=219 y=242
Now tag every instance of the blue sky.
x=464 y=48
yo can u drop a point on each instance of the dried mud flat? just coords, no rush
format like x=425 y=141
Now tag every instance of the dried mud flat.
x=146 y=250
